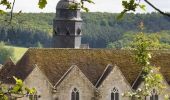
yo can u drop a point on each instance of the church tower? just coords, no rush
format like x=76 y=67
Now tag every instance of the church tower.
x=67 y=26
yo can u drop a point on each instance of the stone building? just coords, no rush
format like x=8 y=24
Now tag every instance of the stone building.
x=84 y=74
x=66 y=73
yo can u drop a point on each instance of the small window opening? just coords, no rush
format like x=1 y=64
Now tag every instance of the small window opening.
x=154 y=95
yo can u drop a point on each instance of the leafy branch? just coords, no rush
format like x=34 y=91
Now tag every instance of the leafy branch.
x=81 y=5
x=16 y=91
x=157 y=9
x=132 y=5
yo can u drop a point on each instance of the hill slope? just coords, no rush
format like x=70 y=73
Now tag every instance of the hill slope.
x=99 y=29
x=18 y=52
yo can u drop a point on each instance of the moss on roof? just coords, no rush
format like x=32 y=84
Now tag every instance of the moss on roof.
x=92 y=62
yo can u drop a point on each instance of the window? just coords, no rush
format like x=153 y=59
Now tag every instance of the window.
x=114 y=94
x=154 y=95
x=34 y=97
x=75 y=94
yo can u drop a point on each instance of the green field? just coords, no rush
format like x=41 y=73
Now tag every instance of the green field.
x=18 y=52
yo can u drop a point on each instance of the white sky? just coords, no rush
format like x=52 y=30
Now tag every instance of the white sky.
x=99 y=6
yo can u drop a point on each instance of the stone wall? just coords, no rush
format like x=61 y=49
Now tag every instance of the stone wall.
x=163 y=92
x=114 y=79
x=38 y=80
x=75 y=79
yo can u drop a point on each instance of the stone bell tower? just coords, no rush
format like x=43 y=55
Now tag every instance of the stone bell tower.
x=67 y=26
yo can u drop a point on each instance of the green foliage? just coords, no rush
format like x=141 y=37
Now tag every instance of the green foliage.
x=18 y=52
x=42 y=3
x=157 y=40
x=130 y=5
x=2 y=12
x=116 y=45
x=16 y=91
x=150 y=74
x=99 y=29
x=80 y=5
x=18 y=86
x=6 y=3
x=39 y=45
x=141 y=44
x=5 y=53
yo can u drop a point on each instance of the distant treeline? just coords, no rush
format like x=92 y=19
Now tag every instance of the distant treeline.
x=99 y=29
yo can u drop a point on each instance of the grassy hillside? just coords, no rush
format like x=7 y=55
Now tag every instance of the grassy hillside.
x=18 y=52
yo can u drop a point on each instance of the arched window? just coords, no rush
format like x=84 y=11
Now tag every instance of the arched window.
x=154 y=95
x=115 y=94
x=75 y=94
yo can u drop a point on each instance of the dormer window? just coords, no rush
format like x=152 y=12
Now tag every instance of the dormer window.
x=114 y=94
x=154 y=95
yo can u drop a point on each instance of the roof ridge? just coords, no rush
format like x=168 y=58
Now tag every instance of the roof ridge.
x=73 y=48
x=36 y=66
x=65 y=74
x=138 y=81
x=104 y=72
x=32 y=48
x=125 y=79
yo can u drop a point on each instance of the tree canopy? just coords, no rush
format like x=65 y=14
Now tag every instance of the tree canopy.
x=99 y=29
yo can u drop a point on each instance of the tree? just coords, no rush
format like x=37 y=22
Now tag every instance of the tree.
x=5 y=53
x=150 y=74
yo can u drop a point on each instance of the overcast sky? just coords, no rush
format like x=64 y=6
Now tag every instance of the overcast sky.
x=99 y=6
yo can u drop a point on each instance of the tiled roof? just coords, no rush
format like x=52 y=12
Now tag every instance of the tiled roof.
x=92 y=62
x=6 y=71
